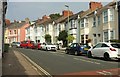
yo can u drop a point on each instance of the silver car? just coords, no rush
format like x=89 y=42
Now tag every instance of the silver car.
x=15 y=44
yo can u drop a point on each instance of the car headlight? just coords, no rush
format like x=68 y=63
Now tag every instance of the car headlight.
x=48 y=47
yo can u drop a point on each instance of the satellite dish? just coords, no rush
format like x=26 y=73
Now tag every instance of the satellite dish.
x=95 y=12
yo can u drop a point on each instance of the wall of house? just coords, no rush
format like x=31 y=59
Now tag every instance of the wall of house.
x=22 y=32
x=6 y=40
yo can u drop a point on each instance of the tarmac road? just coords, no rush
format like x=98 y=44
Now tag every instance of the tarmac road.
x=59 y=63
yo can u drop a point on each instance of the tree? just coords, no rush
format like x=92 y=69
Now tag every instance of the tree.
x=70 y=38
x=55 y=16
x=62 y=37
x=48 y=38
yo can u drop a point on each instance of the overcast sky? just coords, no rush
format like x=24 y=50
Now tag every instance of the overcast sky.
x=34 y=10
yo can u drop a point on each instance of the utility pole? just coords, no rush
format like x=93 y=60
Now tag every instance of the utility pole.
x=1 y=35
x=118 y=8
x=68 y=17
x=1 y=28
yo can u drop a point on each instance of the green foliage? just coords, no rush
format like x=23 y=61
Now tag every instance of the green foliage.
x=55 y=16
x=62 y=37
x=48 y=38
x=70 y=38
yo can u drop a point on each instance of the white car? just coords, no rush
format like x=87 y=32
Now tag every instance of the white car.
x=105 y=50
x=48 y=46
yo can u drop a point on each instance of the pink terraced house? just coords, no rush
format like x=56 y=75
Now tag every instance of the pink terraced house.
x=16 y=31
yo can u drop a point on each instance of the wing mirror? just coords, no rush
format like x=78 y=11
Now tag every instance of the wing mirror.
x=93 y=47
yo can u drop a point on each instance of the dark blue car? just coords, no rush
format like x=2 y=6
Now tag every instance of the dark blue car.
x=77 y=49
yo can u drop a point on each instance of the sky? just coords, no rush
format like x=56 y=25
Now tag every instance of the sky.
x=34 y=10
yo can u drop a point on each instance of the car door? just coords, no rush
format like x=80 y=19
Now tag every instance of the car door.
x=96 y=50
x=74 y=48
x=70 y=49
x=104 y=48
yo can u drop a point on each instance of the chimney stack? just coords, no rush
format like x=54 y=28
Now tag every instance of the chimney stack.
x=27 y=20
x=65 y=13
x=45 y=17
x=95 y=5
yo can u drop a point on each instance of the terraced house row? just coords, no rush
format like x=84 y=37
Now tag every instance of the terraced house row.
x=99 y=24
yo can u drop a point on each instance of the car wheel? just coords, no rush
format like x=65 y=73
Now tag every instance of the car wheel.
x=89 y=55
x=119 y=60
x=76 y=53
x=106 y=56
x=66 y=52
x=46 y=49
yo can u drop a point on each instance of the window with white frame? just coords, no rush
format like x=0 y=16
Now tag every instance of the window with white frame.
x=86 y=22
x=111 y=35
x=42 y=28
x=47 y=28
x=94 y=21
x=82 y=23
x=15 y=31
x=28 y=31
x=35 y=29
x=111 y=14
x=59 y=27
x=73 y=24
x=10 y=32
x=105 y=36
x=95 y=41
x=105 y=16
x=98 y=20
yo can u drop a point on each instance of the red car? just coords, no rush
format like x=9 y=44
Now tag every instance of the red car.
x=27 y=44
x=31 y=44
x=38 y=46
x=23 y=44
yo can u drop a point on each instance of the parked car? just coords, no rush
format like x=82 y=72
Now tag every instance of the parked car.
x=23 y=44
x=48 y=46
x=38 y=46
x=84 y=48
x=31 y=44
x=105 y=50
x=77 y=49
x=27 y=44
x=15 y=44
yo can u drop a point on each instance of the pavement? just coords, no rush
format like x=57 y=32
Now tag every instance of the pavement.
x=14 y=64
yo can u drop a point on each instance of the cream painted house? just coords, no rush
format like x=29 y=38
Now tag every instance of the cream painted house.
x=29 y=32
x=58 y=27
x=99 y=25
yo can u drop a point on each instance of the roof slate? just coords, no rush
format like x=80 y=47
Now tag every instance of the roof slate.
x=16 y=25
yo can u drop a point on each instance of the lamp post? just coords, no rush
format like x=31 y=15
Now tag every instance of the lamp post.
x=68 y=16
x=68 y=20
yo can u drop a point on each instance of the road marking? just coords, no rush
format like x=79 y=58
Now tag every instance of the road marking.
x=57 y=54
x=97 y=60
x=86 y=61
x=36 y=66
x=104 y=72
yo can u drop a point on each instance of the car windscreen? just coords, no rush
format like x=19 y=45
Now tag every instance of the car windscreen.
x=115 y=45
x=18 y=42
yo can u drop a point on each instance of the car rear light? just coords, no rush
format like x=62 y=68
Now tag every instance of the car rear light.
x=112 y=49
